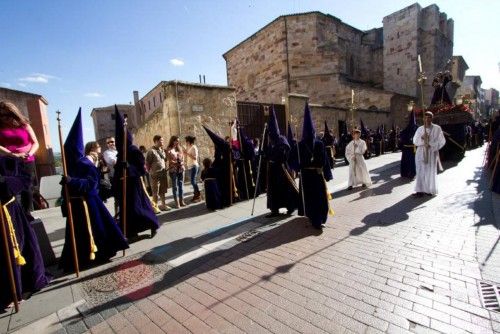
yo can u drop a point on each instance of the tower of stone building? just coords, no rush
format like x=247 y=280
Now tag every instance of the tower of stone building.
x=407 y=33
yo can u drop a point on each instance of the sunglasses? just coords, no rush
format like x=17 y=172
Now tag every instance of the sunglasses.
x=111 y=142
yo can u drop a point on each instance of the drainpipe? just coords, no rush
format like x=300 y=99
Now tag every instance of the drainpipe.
x=165 y=111
x=287 y=59
x=178 y=109
x=287 y=105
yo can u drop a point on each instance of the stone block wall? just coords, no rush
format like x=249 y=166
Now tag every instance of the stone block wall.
x=400 y=50
x=308 y=53
x=257 y=67
x=407 y=33
x=396 y=114
x=185 y=108
x=104 y=121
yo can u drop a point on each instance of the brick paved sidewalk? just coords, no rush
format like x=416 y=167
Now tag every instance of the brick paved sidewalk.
x=387 y=262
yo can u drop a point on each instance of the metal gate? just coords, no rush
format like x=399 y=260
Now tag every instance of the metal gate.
x=253 y=116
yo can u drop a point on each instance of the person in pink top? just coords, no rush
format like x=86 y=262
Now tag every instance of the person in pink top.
x=18 y=140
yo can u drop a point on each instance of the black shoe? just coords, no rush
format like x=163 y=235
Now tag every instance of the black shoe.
x=272 y=214
x=318 y=227
x=419 y=194
x=349 y=188
x=153 y=233
x=363 y=186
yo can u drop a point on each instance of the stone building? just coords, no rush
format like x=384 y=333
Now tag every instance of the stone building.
x=458 y=69
x=472 y=94
x=181 y=108
x=318 y=55
x=491 y=101
x=34 y=107
x=410 y=32
x=104 y=121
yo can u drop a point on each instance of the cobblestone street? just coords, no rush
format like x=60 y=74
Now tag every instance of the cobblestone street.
x=386 y=262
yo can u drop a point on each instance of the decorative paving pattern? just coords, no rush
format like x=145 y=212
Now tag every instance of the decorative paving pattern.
x=129 y=278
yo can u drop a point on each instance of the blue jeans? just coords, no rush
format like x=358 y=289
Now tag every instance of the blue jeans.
x=193 y=172
x=177 y=185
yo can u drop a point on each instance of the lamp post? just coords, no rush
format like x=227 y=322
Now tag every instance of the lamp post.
x=410 y=106
x=351 y=109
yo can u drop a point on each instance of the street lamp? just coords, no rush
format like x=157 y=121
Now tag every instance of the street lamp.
x=411 y=104
x=459 y=100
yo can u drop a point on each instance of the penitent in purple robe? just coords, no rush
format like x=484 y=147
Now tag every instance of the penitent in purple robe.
x=31 y=276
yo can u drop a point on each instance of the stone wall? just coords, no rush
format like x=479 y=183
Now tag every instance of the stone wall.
x=104 y=121
x=320 y=56
x=311 y=53
x=183 y=111
x=257 y=67
x=407 y=33
x=396 y=114
x=400 y=50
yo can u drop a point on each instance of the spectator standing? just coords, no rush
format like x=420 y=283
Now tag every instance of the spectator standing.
x=92 y=150
x=193 y=166
x=146 y=178
x=109 y=156
x=156 y=166
x=176 y=170
x=18 y=140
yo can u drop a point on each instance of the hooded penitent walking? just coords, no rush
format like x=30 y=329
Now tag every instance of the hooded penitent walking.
x=315 y=172
x=139 y=211
x=408 y=168
x=98 y=237
x=282 y=192
x=26 y=260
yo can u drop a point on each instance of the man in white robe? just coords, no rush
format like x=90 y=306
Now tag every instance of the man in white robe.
x=428 y=139
x=358 y=173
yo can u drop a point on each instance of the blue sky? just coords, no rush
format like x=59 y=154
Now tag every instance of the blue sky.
x=94 y=53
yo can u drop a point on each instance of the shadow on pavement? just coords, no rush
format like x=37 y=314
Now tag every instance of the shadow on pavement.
x=191 y=210
x=384 y=189
x=391 y=215
x=382 y=174
x=163 y=253
x=481 y=202
x=295 y=229
x=385 y=173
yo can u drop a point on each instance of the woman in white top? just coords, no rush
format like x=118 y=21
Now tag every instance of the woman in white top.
x=176 y=170
x=193 y=166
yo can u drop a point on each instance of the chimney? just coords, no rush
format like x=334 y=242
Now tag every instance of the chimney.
x=136 y=97
x=203 y=78
x=200 y=78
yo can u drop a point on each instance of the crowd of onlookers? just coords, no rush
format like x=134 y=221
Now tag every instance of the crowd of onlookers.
x=165 y=165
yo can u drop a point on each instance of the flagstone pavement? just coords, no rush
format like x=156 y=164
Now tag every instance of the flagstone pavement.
x=385 y=262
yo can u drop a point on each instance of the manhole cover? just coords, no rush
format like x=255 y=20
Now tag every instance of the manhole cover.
x=247 y=236
x=490 y=296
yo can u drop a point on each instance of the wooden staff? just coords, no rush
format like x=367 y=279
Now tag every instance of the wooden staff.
x=243 y=158
x=257 y=180
x=301 y=179
x=233 y=191
x=124 y=179
x=68 y=199
x=8 y=259
x=421 y=80
x=497 y=157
